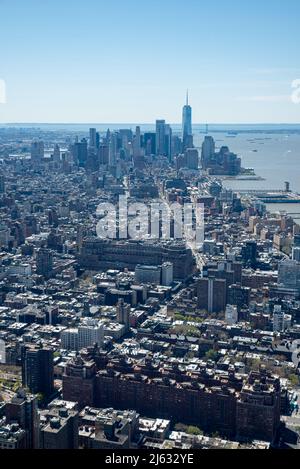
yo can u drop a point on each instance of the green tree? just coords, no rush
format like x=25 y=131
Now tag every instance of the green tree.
x=294 y=380
x=191 y=430
x=40 y=397
x=180 y=427
x=211 y=355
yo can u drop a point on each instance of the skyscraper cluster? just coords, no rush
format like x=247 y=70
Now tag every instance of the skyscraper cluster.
x=116 y=147
x=222 y=162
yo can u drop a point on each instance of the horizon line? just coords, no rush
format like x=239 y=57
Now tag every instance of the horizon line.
x=147 y=123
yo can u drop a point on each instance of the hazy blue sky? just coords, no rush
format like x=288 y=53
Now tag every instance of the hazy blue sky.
x=131 y=61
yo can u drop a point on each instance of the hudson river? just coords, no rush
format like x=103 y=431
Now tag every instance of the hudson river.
x=274 y=157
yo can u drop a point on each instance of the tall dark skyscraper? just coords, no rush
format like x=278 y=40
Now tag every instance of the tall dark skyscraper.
x=187 y=123
x=249 y=254
x=168 y=141
x=93 y=138
x=211 y=293
x=80 y=152
x=160 y=137
x=37 y=151
x=44 y=262
x=208 y=151
x=37 y=369
x=150 y=143
x=56 y=154
x=2 y=184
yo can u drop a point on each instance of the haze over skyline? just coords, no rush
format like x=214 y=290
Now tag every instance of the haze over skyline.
x=133 y=62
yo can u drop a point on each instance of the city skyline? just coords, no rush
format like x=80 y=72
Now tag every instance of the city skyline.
x=134 y=64
x=149 y=228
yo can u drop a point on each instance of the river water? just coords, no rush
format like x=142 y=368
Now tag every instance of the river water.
x=274 y=157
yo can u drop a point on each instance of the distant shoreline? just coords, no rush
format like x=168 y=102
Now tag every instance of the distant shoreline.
x=232 y=129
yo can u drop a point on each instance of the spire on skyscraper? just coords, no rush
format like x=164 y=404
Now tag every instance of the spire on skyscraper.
x=187 y=97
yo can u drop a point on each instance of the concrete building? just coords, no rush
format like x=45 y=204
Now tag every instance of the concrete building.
x=167 y=274
x=289 y=274
x=23 y=409
x=69 y=339
x=148 y=274
x=231 y=315
x=192 y=158
x=12 y=436
x=60 y=431
x=123 y=314
x=281 y=320
x=99 y=254
x=90 y=332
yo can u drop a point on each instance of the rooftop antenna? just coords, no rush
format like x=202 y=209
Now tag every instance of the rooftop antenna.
x=187 y=97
